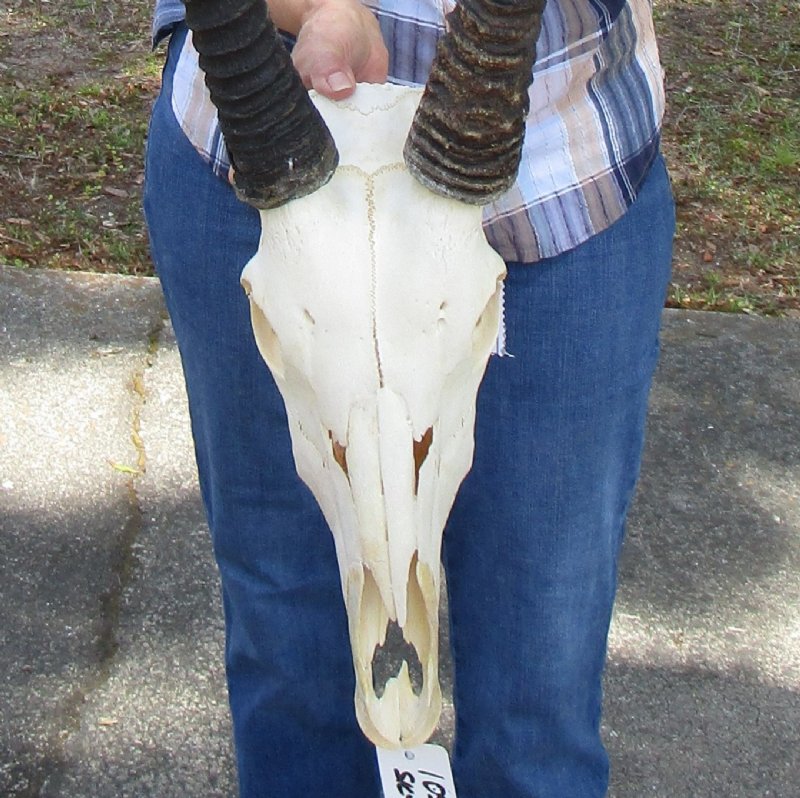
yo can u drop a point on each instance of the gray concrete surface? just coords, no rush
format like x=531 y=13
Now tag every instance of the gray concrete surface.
x=110 y=634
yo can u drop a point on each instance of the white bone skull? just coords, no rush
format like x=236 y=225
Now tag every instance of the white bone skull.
x=376 y=304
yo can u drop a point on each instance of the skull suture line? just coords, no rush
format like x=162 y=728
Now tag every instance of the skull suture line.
x=375 y=303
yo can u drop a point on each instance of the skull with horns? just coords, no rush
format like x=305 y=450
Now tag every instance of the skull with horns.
x=375 y=297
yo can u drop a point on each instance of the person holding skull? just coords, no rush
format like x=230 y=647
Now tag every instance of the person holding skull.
x=577 y=203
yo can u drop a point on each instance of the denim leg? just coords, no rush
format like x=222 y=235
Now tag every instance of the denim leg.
x=532 y=543
x=289 y=671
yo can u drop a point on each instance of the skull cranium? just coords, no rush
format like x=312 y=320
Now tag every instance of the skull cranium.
x=375 y=303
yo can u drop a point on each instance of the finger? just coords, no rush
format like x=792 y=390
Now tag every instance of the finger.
x=376 y=67
x=335 y=85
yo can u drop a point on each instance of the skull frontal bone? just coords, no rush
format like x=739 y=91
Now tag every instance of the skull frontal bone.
x=375 y=304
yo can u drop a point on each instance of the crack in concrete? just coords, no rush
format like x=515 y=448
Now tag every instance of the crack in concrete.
x=67 y=718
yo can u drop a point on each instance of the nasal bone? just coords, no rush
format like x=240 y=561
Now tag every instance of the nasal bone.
x=380 y=456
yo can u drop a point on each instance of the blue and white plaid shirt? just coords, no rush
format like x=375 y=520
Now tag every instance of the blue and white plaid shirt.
x=597 y=101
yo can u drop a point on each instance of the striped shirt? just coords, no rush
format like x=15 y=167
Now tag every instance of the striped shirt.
x=596 y=105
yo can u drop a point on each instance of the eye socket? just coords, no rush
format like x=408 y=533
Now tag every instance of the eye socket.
x=266 y=337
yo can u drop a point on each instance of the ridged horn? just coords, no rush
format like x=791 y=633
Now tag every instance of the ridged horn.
x=466 y=138
x=280 y=147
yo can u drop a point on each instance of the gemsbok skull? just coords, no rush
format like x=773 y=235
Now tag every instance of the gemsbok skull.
x=375 y=299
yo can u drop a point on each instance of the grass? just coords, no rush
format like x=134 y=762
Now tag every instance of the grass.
x=73 y=120
x=732 y=138
x=74 y=101
x=76 y=167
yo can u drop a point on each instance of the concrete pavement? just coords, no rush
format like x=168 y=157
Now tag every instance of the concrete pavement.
x=111 y=679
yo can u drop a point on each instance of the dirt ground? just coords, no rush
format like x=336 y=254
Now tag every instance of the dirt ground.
x=77 y=80
x=76 y=83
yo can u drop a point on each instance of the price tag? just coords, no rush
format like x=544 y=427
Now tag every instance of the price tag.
x=422 y=772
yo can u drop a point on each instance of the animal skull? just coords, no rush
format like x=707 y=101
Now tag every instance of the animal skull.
x=375 y=304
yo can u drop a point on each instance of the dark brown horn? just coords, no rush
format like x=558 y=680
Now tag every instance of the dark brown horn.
x=280 y=147
x=466 y=138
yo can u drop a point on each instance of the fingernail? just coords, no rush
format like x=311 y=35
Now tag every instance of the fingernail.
x=339 y=81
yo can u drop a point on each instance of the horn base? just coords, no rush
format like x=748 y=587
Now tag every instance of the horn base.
x=467 y=135
x=279 y=146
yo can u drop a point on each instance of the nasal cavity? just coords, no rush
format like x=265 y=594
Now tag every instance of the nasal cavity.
x=339 y=453
x=387 y=660
x=421 y=449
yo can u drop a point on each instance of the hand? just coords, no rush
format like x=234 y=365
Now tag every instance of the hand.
x=339 y=44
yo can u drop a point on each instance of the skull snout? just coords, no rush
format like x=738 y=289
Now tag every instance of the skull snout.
x=392 y=590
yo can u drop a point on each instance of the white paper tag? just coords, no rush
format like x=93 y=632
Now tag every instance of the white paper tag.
x=422 y=772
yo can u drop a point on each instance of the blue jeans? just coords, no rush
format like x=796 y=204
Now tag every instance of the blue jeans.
x=531 y=546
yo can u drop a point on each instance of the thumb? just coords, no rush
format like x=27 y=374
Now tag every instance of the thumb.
x=323 y=67
x=335 y=83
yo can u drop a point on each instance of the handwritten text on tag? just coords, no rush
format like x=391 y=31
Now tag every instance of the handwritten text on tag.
x=422 y=772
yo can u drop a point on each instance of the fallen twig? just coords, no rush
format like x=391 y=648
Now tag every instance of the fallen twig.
x=19 y=156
